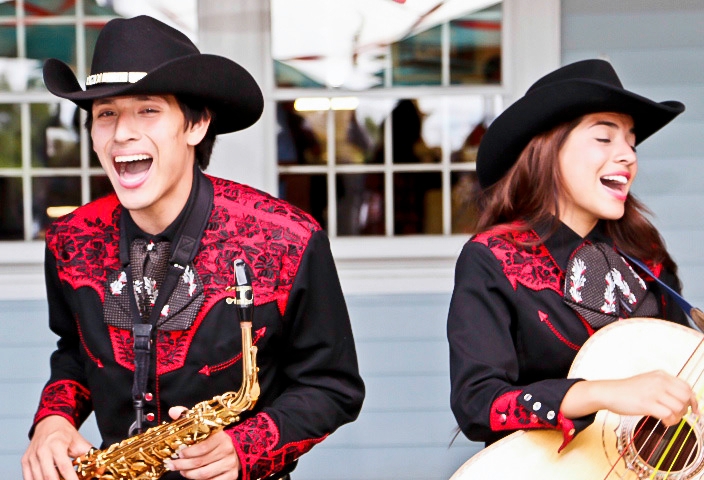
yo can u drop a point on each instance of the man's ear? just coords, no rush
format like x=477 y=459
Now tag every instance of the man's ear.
x=196 y=131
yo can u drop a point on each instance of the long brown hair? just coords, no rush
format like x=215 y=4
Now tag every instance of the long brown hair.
x=529 y=194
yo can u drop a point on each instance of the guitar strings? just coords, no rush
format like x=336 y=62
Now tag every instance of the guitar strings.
x=698 y=396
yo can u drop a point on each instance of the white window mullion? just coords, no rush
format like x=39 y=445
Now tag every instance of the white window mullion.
x=332 y=191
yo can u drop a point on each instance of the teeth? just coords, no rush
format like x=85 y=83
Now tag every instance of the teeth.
x=131 y=158
x=616 y=179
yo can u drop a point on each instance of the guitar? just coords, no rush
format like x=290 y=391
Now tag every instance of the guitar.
x=614 y=446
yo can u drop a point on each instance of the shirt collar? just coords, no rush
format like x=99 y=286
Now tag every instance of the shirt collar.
x=564 y=240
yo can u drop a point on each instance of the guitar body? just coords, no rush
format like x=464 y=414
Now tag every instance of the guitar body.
x=619 y=350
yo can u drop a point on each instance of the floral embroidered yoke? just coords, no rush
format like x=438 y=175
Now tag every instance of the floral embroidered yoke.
x=307 y=392
x=513 y=336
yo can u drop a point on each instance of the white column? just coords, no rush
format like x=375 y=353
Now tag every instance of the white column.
x=239 y=30
x=532 y=42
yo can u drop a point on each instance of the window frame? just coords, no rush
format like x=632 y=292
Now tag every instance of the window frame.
x=366 y=265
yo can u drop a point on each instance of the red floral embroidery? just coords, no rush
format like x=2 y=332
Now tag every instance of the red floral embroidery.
x=85 y=244
x=255 y=440
x=122 y=346
x=269 y=234
x=523 y=262
x=66 y=398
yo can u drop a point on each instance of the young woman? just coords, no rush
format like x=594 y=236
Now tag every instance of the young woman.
x=545 y=271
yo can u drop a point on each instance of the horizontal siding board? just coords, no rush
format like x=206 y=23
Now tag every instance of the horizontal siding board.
x=413 y=357
x=437 y=463
x=383 y=318
x=412 y=393
x=652 y=31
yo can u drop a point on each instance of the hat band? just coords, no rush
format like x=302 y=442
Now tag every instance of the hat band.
x=115 y=77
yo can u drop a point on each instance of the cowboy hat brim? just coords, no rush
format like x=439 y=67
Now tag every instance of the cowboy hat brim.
x=222 y=85
x=546 y=107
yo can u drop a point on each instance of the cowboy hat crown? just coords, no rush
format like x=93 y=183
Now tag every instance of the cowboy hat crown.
x=142 y=55
x=574 y=90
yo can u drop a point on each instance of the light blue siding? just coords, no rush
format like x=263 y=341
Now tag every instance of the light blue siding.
x=658 y=50
x=405 y=429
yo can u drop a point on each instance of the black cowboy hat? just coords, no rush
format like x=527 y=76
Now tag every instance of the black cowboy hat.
x=584 y=87
x=142 y=55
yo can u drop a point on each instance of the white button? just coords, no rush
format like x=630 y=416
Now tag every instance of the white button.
x=527 y=397
x=551 y=415
x=537 y=405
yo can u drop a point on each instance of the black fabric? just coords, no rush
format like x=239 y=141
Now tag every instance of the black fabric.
x=506 y=338
x=583 y=87
x=602 y=287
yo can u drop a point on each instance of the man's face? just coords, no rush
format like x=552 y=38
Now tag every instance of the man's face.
x=147 y=153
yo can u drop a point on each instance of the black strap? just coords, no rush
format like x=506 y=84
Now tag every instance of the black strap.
x=679 y=299
x=183 y=251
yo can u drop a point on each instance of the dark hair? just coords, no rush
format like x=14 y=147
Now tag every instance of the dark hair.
x=193 y=112
x=529 y=194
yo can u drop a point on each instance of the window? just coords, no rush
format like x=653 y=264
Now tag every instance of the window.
x=380 y=109
x=47 y=167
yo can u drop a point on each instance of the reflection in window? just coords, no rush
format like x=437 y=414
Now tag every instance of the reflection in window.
x=51 y=176
x=465 y=192
x=307 y=192
x=360 y=204
x=11 y=206
x=55 y=135
x=10 y=135
x=379 y=43
x=52 y=197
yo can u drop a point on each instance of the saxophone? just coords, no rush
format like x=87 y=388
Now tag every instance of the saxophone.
x=142 y=456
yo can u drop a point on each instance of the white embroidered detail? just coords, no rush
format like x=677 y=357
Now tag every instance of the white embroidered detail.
x=189 y=278
x=623 y=286
x=117 y=286
x=151 y=290
x=637 y=277
x=165 y=311
x=609 y=305
x=577 y=279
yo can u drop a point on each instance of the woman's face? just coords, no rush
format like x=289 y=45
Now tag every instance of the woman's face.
x=598 y=165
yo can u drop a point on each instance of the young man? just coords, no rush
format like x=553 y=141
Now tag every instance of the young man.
x=155 y=104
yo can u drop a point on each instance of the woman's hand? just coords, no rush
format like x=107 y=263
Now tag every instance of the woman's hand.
x=213 y=458
x=54 y=443
x=657 y=394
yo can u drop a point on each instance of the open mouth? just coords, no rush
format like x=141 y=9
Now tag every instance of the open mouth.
x=132 y=168
x=617 y=183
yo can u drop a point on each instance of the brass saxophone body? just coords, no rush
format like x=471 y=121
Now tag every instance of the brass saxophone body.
x=142 y=456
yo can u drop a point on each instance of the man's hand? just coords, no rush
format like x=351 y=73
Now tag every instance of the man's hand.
x=213 y=458
x=55 y=442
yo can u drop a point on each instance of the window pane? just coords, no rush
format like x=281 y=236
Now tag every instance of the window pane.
x=301 y=138
x=55 y=139
x=49 y=41
x=417 y=203
x=417 y=59
x=8 y=42
x=358 y=133
x=475 y=50
x=7 y=8
x=465 y=192
x=11 y=209
x=360 y=204
x=51 y=198
x=468 y=118
x=353 y=45
x=417 y=131
x=308 y=192
x=10 y=136
x=99 y=187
